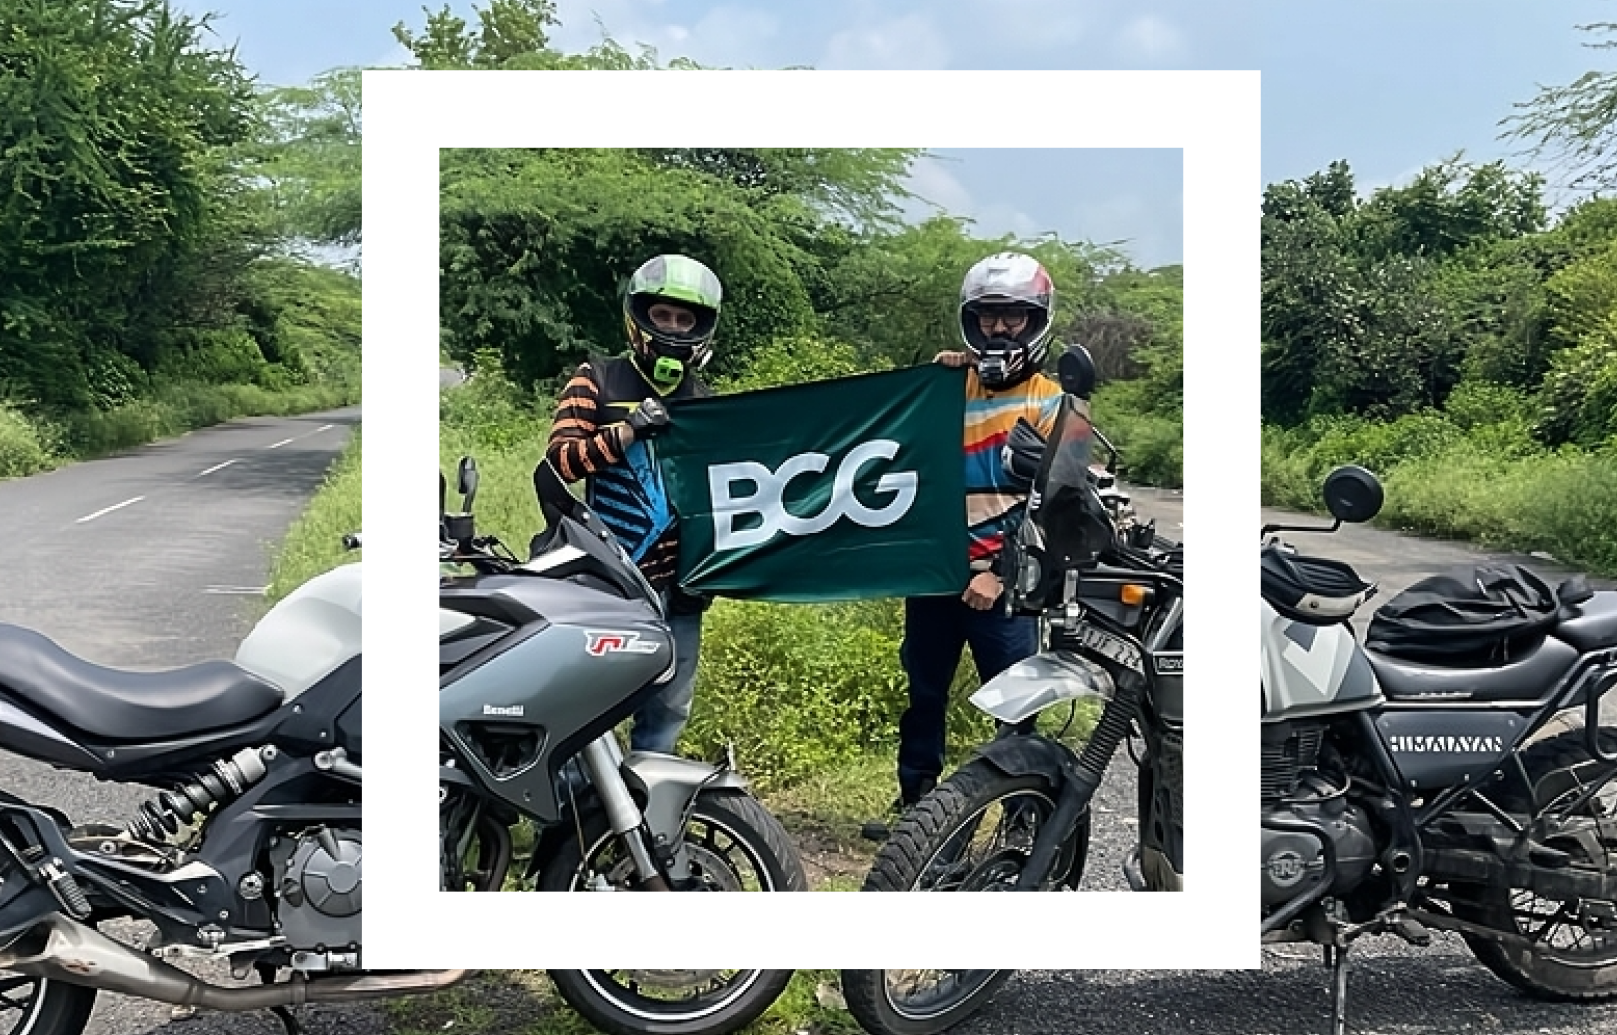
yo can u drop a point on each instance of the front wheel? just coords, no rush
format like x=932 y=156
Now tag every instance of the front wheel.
x=1575 y=941
x=972 y=833
x=735 y=845
x=917 y=1002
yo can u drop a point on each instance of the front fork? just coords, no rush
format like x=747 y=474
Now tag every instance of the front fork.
x=1082 y=778
x=602 y=759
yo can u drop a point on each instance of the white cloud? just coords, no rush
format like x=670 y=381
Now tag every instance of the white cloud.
x=1365 y=188
x=1144 y=231
x=934 y=182
x=1152 y=39
x=931 y=179
x=397 y=56
x=913 y=41
x=737 y=37
x=1000 y=218
x=1028 y=24
x=727 y=35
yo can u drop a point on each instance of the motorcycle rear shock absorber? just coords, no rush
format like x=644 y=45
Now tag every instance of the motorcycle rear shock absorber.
x=1082 y=780
x=162 y=817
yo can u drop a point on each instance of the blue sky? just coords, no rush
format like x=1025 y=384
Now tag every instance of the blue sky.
x=1389 y=85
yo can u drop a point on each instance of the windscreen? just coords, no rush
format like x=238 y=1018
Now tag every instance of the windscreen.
x=1069 y=512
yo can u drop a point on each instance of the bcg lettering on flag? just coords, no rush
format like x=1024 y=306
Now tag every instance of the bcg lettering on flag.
x=843 y=489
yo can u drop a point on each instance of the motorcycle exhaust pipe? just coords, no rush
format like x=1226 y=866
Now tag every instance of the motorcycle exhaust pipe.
x=64 y=950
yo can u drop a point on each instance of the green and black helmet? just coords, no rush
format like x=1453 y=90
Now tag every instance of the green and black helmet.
x=684 y=283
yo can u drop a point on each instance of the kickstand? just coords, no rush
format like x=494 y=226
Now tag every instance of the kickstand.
x=266 y=975
x=290 y=1022
x=1337 y=959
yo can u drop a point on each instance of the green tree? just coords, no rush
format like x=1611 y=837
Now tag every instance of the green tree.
x=310 y=152
x=1576 y=123
x=122 y=222
x=515 y=34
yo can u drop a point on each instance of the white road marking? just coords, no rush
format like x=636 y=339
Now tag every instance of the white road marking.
x=245 y=591
x=217 y=467
x=108 y=510
x=306 y=434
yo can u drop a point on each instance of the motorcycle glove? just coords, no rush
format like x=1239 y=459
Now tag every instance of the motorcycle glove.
x=648 y=419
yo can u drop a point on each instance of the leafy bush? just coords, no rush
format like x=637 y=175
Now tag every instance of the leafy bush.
x=25 y=447
x=1489 y=483
x=801 y=689
x=1151 y=442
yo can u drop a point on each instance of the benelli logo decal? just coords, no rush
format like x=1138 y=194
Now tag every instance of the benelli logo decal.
x=619 y=643
x=510 y=710
x=1450 y=745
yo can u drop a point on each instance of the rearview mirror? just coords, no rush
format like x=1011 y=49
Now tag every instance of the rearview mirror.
x=466 y=482
x=1076 y=372
x=1352 y=494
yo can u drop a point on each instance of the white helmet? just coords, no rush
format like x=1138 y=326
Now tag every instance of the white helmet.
x=1007 y=280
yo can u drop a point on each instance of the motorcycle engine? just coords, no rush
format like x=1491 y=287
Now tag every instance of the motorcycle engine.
x=317 y=877
x=1295 y=792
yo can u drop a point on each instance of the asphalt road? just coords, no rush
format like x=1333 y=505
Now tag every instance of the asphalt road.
x=154 y=559
x=1394 y=989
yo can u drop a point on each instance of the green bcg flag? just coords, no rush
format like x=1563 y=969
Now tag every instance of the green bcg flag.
x=836 y=490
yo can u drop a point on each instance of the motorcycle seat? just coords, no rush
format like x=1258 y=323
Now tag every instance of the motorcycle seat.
x=1594 y=625
x=128 y=707
x=1528 y=678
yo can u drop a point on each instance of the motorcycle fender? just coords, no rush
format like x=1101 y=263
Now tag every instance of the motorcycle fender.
x=1034 y=684
x=669 y=784
x=1029 y=755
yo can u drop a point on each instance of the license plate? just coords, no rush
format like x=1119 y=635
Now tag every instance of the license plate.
x=1113 y=648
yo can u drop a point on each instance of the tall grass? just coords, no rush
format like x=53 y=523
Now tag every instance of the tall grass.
x=1487 y=482
x=314 y=542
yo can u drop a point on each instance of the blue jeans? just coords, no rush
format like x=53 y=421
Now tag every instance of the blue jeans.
x=659 y=722
x=936 y=631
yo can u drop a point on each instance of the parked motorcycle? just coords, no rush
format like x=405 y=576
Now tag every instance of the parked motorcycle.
x=539 y=661
x=249 y=853
x=1430 y=781
x=1015 y=817
x=1408 y=786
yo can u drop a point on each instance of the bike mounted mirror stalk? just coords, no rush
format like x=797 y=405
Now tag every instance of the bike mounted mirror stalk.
x=459 y=529
x=1111 y=452
x=1352 y=494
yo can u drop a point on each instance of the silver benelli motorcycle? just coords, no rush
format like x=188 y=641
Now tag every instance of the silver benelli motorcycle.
x=249 y=852
x=539 y=662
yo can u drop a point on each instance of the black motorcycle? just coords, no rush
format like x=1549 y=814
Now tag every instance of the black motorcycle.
x=1110 y=594
x=251 y=851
